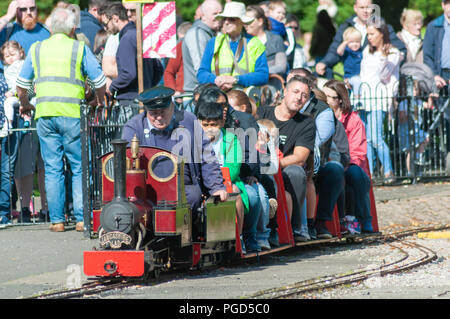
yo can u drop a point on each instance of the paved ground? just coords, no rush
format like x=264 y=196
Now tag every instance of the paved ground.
x=34 y=259
x=413 y=205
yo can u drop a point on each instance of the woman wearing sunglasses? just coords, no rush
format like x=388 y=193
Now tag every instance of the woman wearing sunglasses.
x=234 y=58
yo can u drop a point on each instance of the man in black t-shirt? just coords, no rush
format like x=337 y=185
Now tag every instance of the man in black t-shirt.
x=297 y=134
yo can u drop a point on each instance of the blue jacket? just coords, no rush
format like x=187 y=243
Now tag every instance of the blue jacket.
x=89 y=25
x=432 y=44
x=278 y=27
x=332 y=58
x=202 y=169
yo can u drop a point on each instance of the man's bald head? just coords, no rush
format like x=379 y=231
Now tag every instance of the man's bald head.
x=211 y=8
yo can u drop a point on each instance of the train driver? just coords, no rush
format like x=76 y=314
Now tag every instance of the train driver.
x=161 y=125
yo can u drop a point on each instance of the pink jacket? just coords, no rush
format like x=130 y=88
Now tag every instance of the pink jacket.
x=356 y=134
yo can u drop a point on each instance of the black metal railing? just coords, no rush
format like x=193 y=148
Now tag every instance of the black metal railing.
x=412 y=125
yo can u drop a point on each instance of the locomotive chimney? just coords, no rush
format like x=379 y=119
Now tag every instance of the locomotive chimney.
x=120 y=148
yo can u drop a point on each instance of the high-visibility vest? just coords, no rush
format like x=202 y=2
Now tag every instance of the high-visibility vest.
x=222 y=50
x=58 y=77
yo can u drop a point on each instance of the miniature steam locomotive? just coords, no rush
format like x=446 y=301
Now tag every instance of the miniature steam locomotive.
x=146 y=224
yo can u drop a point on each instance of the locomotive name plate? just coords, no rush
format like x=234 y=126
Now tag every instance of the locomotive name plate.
x=115 y=239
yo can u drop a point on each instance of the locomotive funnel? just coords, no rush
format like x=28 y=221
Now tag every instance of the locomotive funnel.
x=120 y=147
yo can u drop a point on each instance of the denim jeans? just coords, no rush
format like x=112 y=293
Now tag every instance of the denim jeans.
x=262 y=231
x=8 y=155
x=303 y=219
x=330 y=184
x=252 y=217
x=60 y=136
x=373 y=120
x=357 y=187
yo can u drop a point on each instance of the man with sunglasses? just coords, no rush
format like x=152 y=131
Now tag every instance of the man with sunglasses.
x=131 y=11
x=26 y=29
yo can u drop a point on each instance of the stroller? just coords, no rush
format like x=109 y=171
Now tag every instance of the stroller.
x=425 y=77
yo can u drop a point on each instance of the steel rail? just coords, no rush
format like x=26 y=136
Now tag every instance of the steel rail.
x=86 y=289
x=331 y=281
x=328 y=281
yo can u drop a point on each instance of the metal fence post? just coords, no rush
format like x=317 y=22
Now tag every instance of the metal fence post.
x=85 y=172
x=411 y=126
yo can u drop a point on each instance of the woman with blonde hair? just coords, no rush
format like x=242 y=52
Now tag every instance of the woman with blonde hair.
x=412 y=23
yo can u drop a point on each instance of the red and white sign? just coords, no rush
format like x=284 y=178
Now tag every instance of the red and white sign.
x=159 y=30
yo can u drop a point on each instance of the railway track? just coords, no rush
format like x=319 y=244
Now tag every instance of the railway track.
x=393 y=239
x=407 y=260
x=89 y=288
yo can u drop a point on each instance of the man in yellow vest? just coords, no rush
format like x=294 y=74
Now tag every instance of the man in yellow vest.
x=234 y=58
x=59 y=67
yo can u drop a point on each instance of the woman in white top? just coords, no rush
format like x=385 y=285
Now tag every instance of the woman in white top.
x=380 y=67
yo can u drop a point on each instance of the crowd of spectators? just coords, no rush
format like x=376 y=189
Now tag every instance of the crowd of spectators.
x=323 y=138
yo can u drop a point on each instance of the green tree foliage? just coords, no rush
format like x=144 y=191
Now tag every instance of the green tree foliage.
x=392 y=10
x=430 y=9
x=304 y=9
x=186 y=8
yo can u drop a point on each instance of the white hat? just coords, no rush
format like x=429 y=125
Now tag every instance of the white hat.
x=235 y=10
